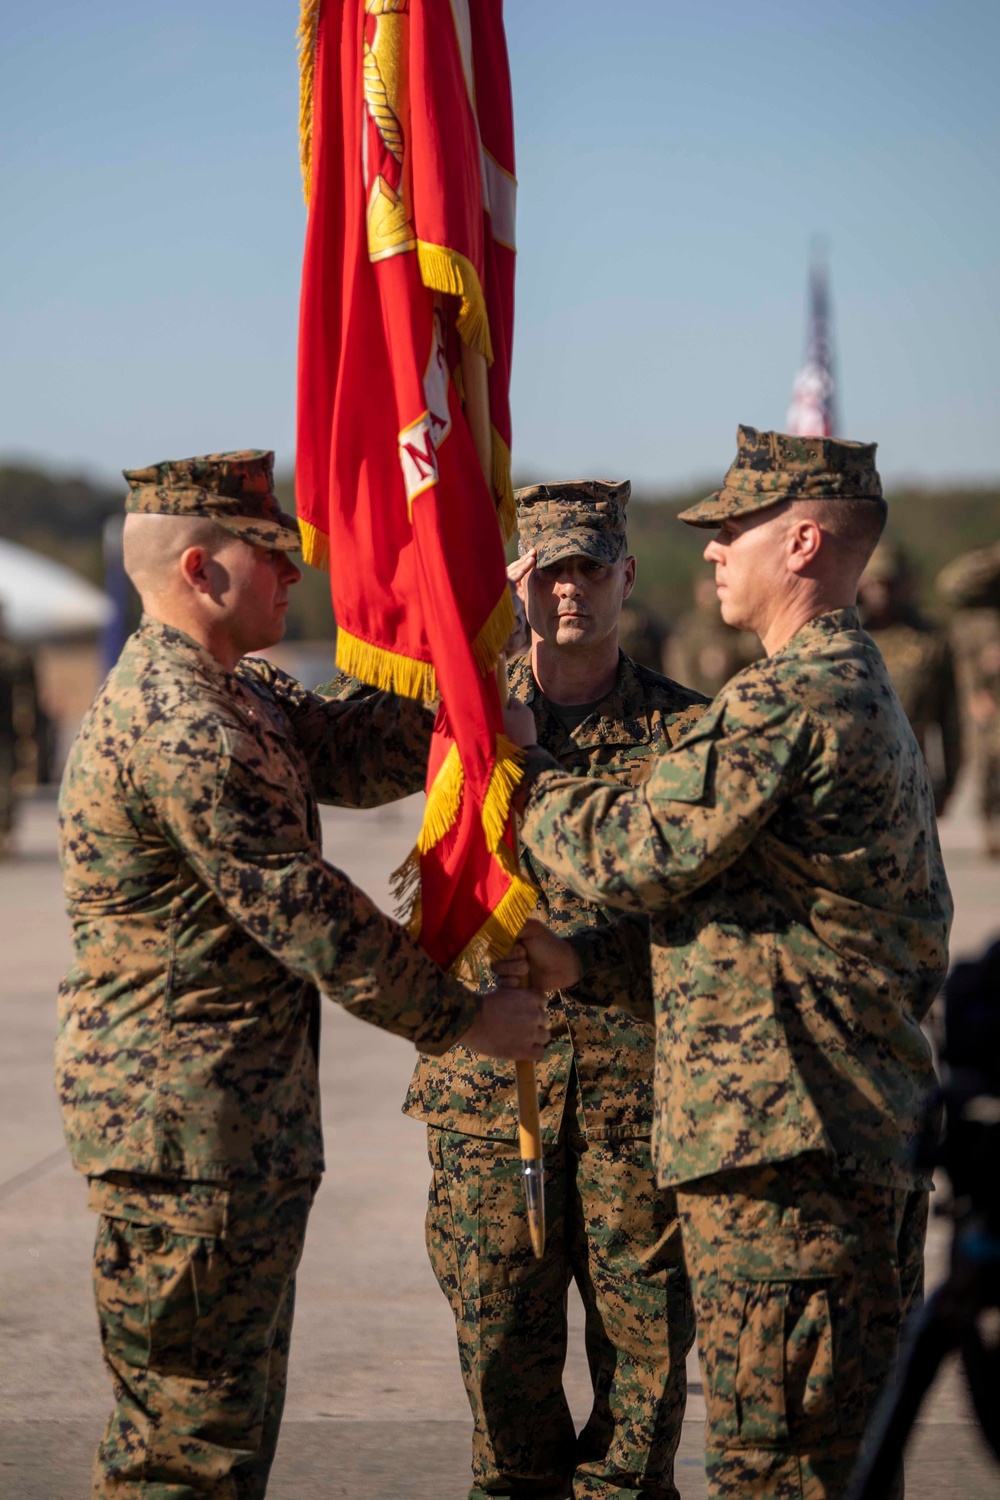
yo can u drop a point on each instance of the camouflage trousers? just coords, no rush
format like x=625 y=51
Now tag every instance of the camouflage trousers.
x=616 y=1234
x=802 y=1279
x=195 y=1291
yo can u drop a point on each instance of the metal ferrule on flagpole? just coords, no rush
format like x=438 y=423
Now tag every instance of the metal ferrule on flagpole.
x=532 y=1161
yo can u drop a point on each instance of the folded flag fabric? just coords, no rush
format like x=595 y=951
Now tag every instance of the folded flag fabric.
x=403 y=457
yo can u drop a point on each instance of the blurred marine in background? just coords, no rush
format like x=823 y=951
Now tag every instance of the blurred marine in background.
x=920 y=664
x=19 y=722
x=971 y=584
x=703 y=651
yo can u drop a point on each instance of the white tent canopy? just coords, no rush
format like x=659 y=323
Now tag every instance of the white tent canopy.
x=44 y=601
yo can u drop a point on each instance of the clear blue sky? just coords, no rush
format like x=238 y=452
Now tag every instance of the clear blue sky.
x=674 y=161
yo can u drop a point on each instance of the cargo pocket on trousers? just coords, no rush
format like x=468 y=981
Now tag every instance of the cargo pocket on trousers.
x=784 y=1377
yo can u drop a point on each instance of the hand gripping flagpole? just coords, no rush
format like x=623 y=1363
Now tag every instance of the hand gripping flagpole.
x=477 y=411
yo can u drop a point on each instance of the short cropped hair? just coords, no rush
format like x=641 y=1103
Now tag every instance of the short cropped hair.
x=855 y=525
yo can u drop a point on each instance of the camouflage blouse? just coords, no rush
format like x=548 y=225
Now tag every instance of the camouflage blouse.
x=787 y=853
x=205 y=919
x=610 y=1050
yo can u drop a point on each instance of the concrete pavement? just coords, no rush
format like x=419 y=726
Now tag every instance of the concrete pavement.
x=376 y=1407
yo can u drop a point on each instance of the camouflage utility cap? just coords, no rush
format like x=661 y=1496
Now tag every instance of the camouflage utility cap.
x=771 y=467
x=234 y=489
x=574 y=518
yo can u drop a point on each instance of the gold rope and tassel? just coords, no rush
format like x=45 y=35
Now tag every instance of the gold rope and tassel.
x=384 y=669
x=306 y=39
x=503 y=487
x=445 y=270
x=315 y=545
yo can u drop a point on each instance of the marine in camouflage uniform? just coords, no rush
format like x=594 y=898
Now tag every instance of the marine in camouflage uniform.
x=920 y=663
x=205 y=922
x=703 y=650
x=608 y=1227
x=971 y=583
x=786 y=852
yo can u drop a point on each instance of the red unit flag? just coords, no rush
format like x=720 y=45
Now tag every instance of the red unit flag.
x=403 y=460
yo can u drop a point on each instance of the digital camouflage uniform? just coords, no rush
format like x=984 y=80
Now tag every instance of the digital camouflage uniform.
x=920 y=663
x=971 y=583
x=608 y=1227
x=786 y=852
x=205 y=922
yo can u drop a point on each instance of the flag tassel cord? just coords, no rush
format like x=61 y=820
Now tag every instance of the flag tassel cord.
x=306 y=38
x=446 y=270
x=503 y=487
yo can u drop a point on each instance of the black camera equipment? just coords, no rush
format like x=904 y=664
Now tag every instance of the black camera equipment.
x=963 y=1314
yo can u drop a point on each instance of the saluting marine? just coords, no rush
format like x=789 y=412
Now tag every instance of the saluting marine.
x=610 y=1230
x=786 y=852
x=205 y=921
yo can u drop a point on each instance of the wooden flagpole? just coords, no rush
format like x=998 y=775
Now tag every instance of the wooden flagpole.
x=477 y=412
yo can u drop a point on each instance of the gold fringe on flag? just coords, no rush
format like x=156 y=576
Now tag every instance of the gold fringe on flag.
x=443 y=802
x=504 y=778
x=385 y=669
x=404 y=888
x=503 y=487
x=446 y=270
x=315 y=545
x=306 y=38
x=495 y=633
x=499 y=932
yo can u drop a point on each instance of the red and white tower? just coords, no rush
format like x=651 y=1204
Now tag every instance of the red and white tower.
x=813 y=408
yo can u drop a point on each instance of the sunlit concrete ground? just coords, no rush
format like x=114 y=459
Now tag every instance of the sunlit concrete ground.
x=376 y=1407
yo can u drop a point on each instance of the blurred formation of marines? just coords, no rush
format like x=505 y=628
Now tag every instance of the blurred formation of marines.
x=919 y=658
x=609 y=1229
x=205 y=921
x=786 y=850
x=971 y=583
x=643 y=636
x=19 y=716
x=703 y=650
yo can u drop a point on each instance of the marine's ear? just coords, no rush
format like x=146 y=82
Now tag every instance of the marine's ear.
x=195 y=566
x=803 y=542
x=629 y=584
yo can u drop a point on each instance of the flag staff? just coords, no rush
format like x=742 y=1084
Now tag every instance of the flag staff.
x=477 y=413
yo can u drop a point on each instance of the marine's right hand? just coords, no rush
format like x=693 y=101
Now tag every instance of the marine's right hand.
x=540 y=958
x=511 y=1025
